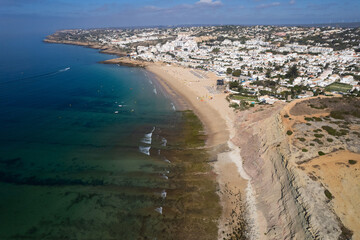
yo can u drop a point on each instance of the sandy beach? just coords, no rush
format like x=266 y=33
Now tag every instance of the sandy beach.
x=258 y=194
x=196 y=90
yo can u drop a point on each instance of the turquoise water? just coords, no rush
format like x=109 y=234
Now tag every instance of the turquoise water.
x=80 y=145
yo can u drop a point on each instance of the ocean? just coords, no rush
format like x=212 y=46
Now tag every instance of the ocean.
x=94 y=151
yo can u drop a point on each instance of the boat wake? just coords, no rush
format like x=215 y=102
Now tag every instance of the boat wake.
x=64 y=70
x=37 y=76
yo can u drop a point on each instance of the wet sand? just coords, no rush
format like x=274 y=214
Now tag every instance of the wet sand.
x=196 y=90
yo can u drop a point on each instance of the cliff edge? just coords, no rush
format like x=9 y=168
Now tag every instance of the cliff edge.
x=298 y=178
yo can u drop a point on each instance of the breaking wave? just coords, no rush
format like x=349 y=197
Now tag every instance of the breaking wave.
x=163 y=142
x=145 y=150
x=159 y=210
x=163 y=194
x=173 y=106
x=148 y=137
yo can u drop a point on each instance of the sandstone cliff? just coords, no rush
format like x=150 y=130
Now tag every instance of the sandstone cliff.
x=290 y=205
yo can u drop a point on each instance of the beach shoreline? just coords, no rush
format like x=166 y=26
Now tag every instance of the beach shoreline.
x=212 y=108
x=192 y=89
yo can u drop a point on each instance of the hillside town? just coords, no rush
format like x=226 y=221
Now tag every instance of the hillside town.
x=255 y=64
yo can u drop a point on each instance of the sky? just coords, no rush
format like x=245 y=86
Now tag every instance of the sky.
x=62 y=14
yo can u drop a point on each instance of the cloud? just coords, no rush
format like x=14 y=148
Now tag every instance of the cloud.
x=269 y=5
x=292 y=2
x=209 y=2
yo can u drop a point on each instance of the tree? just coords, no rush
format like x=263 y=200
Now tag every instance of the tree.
x=229 y=71
x=292 y=72
x=236 y=73
x=233 y=84
x=268 y=73
x=277 y=67
x=216 y=50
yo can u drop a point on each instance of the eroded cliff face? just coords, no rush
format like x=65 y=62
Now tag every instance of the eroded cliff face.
x=289 y=203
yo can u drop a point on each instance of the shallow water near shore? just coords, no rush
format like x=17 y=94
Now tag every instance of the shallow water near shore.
x=92 y=151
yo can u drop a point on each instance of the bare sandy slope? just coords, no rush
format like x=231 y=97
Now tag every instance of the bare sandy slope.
x=333 y=171
x=198 y=89
x=342 y=179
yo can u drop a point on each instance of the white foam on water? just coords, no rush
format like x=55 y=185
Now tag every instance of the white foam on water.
x=173 y=106
x=155 y=91
x=145 y=150
x=148 y=137
x=150 y=82
x=146 y=140
x=159 y=210
x=168 y=161
x=163 y=142
x=163 y=194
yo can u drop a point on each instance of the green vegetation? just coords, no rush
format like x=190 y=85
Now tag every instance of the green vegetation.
x=338 y=87
x=334 y=132
x=321 y=153
x=301 y=139
x=318 y=141
x=330 y=139
x=268 y=73
x=233 y=84
x=286 y=116
x=328 y=194
x=193 y=129
x=289 y=132
x=337 y=114
x=236 y=73
x=292 y=72
x=317 y=119
x=244 y=105
x=318 y=135
x=246 y=98
x=341 y=114
x=229 y=70
x=309 y=119
x=304 y=150
x=191 y=160
x=234 y=105
x=216 y=50
x=352 y=162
